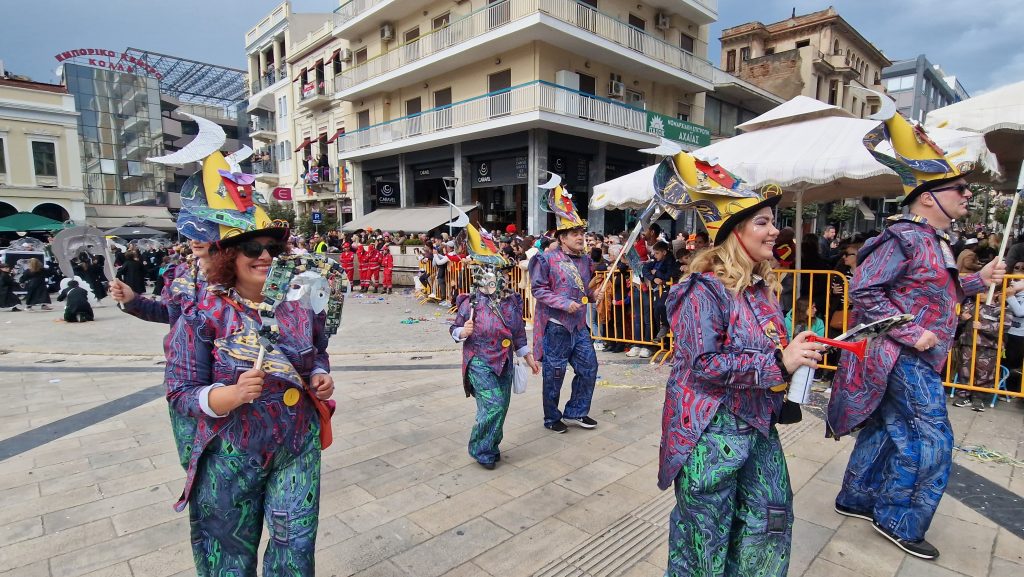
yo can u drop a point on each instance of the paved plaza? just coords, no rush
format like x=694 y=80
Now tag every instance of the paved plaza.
x=88 y=471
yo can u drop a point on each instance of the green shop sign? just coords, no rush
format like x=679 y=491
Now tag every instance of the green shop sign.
x=678 y=130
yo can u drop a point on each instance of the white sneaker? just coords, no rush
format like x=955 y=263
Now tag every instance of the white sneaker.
x=599 y=346
x=633 y=351
x=645 y=353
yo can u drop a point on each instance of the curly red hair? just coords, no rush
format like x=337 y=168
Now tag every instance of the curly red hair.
x=222 y=267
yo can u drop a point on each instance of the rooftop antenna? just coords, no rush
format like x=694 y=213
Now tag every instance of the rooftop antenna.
x=794 y=12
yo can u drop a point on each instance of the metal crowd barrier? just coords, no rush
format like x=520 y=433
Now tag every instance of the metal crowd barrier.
x=628 y=314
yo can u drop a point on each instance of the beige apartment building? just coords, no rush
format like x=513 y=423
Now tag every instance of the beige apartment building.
x=816 y=55
x=40 y=160
x=279 y=126
x=493 y=93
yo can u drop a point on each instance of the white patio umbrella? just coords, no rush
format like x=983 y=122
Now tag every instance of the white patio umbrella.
x=813 y=150
x=999 y=115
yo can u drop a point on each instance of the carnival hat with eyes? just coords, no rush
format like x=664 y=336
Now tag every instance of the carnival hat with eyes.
x=919 y=162
x=721 y=199
x=556 y=199
x=218 y=201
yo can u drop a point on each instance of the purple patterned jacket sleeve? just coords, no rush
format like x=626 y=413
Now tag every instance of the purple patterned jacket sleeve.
x=189 y=352
x=544 y=287
x=148 y=310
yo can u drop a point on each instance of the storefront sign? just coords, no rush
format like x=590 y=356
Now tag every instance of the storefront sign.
x=573 y=169
x=387 y=193
x=110 y=60
x=678 y=130
x=501 y=171
x=432 y=172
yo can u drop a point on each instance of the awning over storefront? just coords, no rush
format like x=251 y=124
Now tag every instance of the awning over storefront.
x=305 y=142
x=417 y=219
x=336 y=135
x=106 y=216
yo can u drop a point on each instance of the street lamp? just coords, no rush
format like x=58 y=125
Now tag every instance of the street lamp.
x=450 y=182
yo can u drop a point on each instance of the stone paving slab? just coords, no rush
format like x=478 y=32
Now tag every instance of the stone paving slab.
x=400 y=496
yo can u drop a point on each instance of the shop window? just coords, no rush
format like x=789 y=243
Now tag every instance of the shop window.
x=44 y=158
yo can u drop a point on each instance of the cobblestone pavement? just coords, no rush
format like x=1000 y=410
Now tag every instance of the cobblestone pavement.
x=88 y=471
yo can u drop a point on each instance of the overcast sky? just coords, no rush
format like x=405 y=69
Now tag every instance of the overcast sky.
x=976 y=40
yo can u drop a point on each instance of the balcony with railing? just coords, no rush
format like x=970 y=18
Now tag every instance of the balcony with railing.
x=498 y=27
x=314 y=95
x=356 y=18
x=265 y=81
x=698 y=11
x=534 y=104
x=262 y=127
x=264 y=165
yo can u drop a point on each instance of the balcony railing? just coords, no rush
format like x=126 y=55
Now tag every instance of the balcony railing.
x=266 y=81
x=313 y=89
x=264 y=161
x=351 y=9
x=494 y=16
x=537 y=96
x=261 y=124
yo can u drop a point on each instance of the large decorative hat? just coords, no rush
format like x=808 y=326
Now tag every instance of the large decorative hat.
x=720 y=198
x=218 y=200
x=482 y=248
x=557 y=200
x=920 y=163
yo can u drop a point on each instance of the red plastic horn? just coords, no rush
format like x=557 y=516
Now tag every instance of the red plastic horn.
x=858 y=348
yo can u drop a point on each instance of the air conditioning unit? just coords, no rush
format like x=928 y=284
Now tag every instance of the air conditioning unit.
x=346 y=55
x=387 y=32
x=663 y=21
x=616 y=89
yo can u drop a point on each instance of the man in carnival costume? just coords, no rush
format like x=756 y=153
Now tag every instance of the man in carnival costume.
x=490 y=325
x=900 y=464
x=560 y=281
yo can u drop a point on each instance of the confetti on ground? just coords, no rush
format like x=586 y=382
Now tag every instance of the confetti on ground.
x=984 y=455
x=610 y=385
x=54 y=380
x=609 y=412
x=409 y=321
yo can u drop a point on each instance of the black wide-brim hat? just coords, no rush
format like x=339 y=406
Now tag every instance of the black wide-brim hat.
x=274 y=232
x=932 y=185
x=741 y=215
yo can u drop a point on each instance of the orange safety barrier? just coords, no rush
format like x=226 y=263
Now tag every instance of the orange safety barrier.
x=629 y=312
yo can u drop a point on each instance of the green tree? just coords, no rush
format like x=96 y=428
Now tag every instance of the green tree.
x=840 y=214
x=281 y=211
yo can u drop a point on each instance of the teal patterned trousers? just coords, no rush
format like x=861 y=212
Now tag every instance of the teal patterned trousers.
x=734 y=505
x=492 y=393
x=235 y=494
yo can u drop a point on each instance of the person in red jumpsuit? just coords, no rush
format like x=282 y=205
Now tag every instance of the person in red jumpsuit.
x=387 y=266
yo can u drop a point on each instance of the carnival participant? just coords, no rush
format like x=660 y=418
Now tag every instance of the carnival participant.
x=369 y=265
x=730 y=369
x=559 y=280
x=900 y=464
x=254 y=456
x=489 y=323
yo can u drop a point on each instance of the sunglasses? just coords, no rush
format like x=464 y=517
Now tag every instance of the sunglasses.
x=961 y=189
x=255 y=248
x=850 y=254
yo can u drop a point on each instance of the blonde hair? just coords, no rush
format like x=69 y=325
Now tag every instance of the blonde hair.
x=731 y=264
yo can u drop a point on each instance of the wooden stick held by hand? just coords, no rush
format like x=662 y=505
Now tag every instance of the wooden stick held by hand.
x=1008 y=229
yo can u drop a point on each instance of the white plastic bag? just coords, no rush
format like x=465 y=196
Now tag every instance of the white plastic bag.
x=520 y=372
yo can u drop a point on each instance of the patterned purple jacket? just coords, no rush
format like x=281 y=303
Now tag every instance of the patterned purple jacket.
x=214 y=342
x=553 y=277
x=908 y=269
x=724 y=355
x=495 y=338
x=180 y=282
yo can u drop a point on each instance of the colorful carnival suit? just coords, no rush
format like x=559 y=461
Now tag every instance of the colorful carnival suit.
x=562 y=338
x=719 y=446
x=387 y=265
x=260 y=461
x=181 y=283
x=900 y=464
x=499 y=332
x=369 y=266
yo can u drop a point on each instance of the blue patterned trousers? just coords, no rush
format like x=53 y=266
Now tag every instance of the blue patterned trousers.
x=492 y=393
x=734 y=505
x=900 y=464
x=562 y=348
x=235 y=494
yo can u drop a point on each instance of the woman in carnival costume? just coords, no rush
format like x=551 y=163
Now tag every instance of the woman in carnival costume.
x=724 y=396
x=249 y=436
x=490 y=325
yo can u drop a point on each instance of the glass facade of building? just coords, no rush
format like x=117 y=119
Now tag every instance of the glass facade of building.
x=120 y=126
